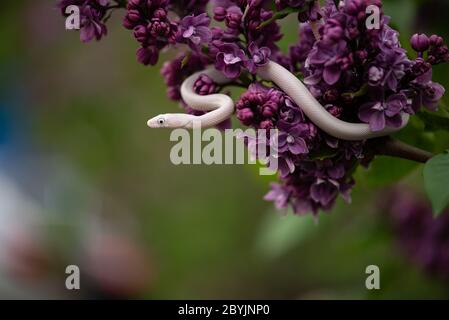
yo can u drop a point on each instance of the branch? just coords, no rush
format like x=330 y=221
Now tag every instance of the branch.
x=281 y=15
x=395 y=148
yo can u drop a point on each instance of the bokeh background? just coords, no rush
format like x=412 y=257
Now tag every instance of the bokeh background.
x=83 y=181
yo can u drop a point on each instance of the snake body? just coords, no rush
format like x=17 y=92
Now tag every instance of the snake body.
x=221 y=106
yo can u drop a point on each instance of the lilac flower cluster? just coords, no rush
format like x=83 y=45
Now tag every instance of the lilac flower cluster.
x=368 y=68
x=358 y=74
x=92 y=15
x=422 y=237
x=314 y=186
x=259 y=106
x=248 y=38
x=151 y=27
x=309 y=183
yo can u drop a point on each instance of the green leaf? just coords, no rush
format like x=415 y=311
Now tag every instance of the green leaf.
x=185 y=60
x=436 y=182
x=277 y=235
x=444 y=105
x=384 y=171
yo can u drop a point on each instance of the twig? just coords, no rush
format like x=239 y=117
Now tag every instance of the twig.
x=395 y=148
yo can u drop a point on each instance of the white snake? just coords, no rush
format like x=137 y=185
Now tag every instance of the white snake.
x=221 y=106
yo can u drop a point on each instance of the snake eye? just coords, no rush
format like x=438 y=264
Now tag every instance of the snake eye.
x=161 y=121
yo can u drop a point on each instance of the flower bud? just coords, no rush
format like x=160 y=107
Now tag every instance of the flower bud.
x=219 y=13
x=436 y=40
x=420 y=42
x=245 y=116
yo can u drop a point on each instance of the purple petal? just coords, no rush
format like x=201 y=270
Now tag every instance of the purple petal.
x=366 y=111
x=395 y=121
x=323 y=193
x=377 y=121
x=332 y=74
x=298 y=147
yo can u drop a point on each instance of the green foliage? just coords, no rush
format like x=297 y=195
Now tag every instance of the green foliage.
x=384 y=171
x=436 y=181
x=278 y=235
x=434 y=121
x=403 y=14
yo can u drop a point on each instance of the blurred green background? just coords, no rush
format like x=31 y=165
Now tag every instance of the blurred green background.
x=83 y=181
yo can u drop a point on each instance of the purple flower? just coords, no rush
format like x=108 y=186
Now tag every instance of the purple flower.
x=420 y=67
x=380 y=114
x=394 y=64
x=329 y=181
x=230 y=60
x=245 y=115
x=233 y=17
x=438 y=52
x=258 y=57
x=324 y=191
x=375 y=76
x=292 y=139
x=147 y=56
x=258 y=144
x=219 y=13
x=421 y=236
x=92 y=14
x=204 y=85
x=156 y=30
x=389 y=39
x=290 y=114
x=194 y=30
x=151 y=27
x=279 y=195
x=431 y=95
x=258 y=106
x=428 y=93
x=265 y=36
x=92 y=27
x=329 y=57
x=420 y=42
x=312 y=185
x=140 y=12
x=286 y=166
x=333 y=30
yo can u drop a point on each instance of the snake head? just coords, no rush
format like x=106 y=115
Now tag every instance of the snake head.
x=171 y=120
